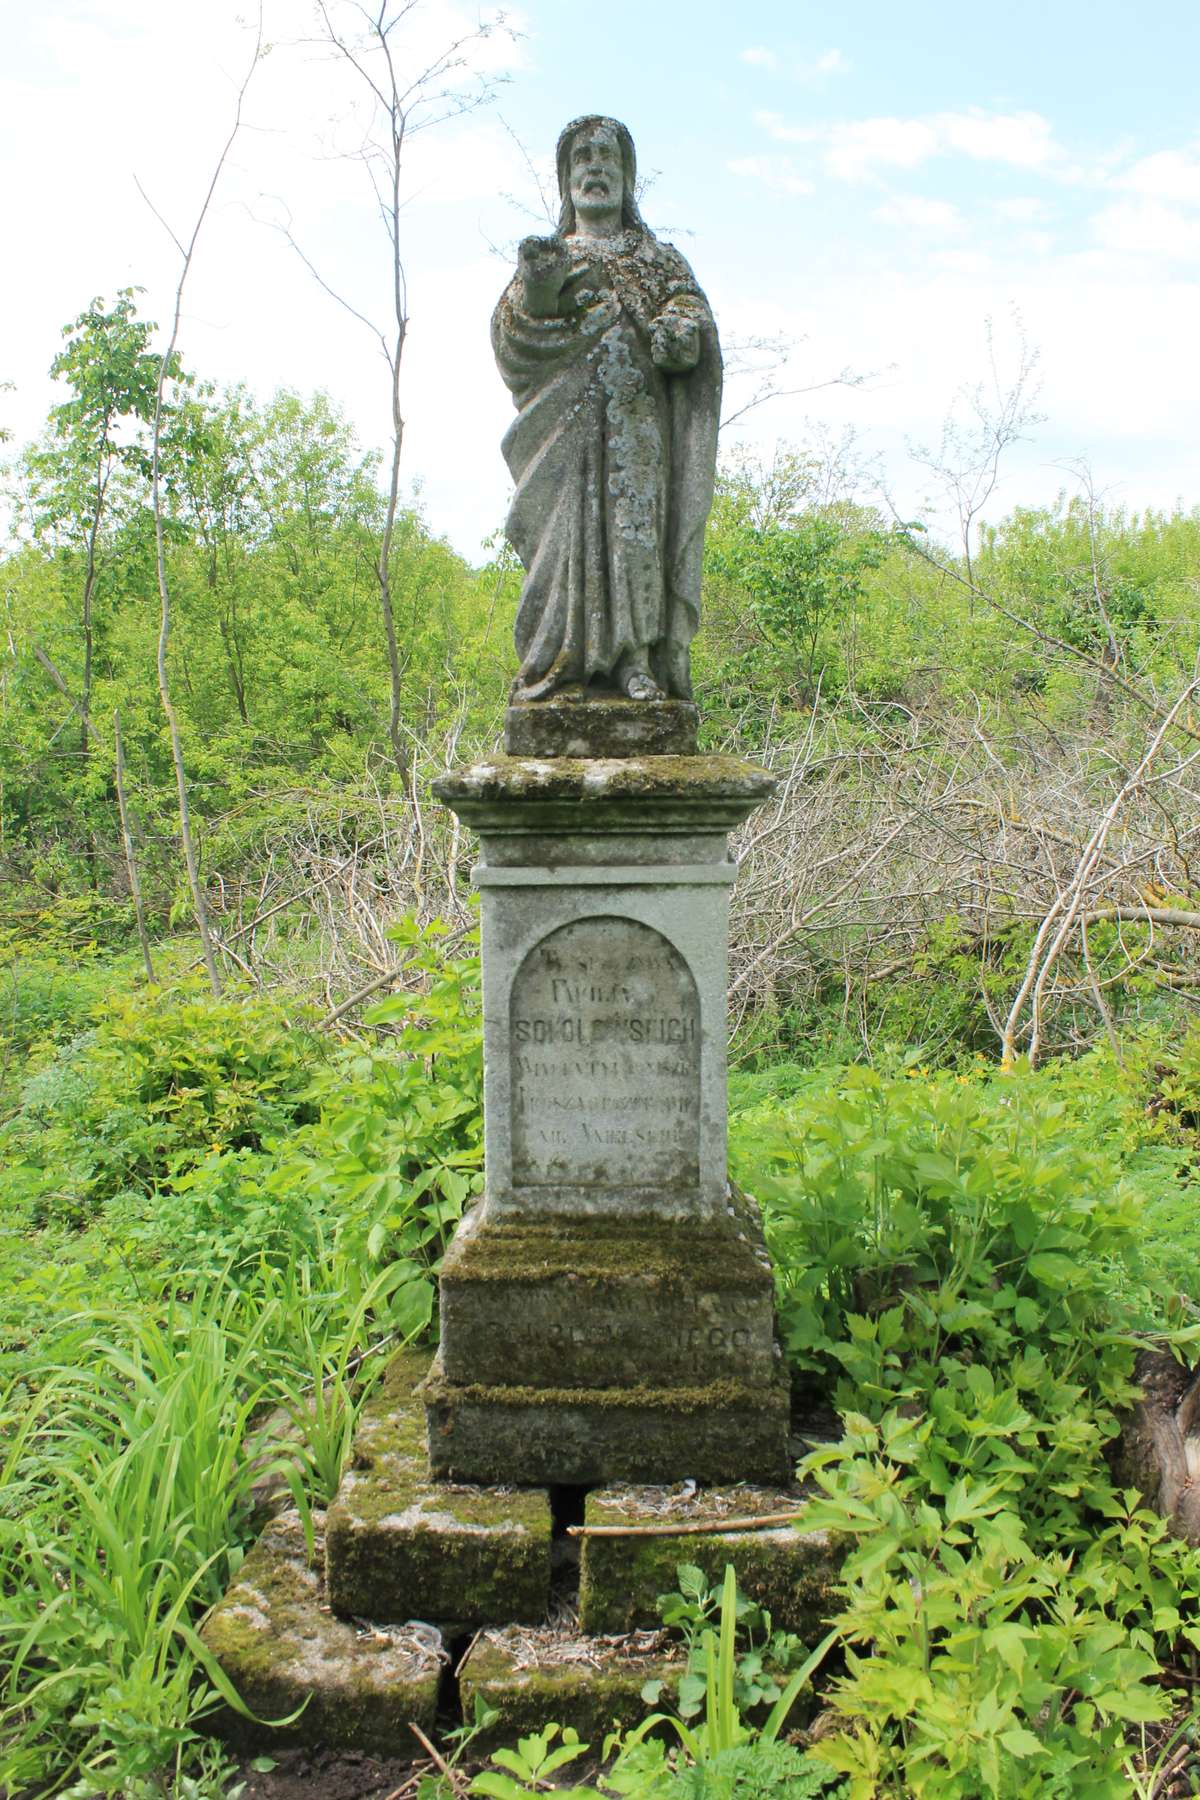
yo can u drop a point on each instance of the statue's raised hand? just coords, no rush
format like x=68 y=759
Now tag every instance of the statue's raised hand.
x=675 y=341
x=543 y=265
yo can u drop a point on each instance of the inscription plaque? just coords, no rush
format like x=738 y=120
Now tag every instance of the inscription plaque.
x=605 y=1040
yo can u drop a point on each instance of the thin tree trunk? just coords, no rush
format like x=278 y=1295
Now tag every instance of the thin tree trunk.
x=164 y=631
x=135 y=885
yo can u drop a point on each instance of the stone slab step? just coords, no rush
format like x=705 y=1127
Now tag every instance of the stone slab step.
x=275 y=1638
x=724 y=1431
x=399 y=1545
x=604 y=1303
x=591 y=1683
x=786 y=1569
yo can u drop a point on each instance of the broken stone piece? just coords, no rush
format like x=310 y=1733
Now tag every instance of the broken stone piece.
x=360 y=1685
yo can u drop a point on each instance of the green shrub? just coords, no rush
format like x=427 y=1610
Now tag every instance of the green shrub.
x=161 y=1080
x=963 y=1261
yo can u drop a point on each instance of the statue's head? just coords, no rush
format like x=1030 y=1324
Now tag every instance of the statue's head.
x=596 y=166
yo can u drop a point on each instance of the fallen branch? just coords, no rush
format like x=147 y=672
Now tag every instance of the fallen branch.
x=364 y=993
x=456 y=1781
x=693 y=1527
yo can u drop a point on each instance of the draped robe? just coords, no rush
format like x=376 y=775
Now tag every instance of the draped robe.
x=613 y=461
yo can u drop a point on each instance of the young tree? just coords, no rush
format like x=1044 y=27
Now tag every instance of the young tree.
x=404 y=92
x=165 y=369
x=999 y=412
x=96 y=460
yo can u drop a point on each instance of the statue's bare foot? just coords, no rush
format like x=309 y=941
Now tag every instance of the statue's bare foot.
x=639 y=684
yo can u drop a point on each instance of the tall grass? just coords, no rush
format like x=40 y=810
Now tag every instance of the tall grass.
x=126 y=1480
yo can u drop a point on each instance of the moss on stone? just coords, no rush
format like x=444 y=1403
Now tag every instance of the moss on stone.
x=604 y=1248
x=530 y=1678
x=790 y=1571
x=714 y=1396
x=598 y=795
x=399 y=1545
x=722 y=1431
x=615 y=777
x=284 y=1651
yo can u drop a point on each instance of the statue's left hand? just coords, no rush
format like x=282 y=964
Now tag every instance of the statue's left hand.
x=675 y=342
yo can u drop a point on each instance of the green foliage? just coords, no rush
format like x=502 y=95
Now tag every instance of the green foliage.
x=800 y=579
x=962 y=1261
x=160 y=1082
x=528 y=1768
x=763 y=1658
x=260 y=1280
x=757 y=1771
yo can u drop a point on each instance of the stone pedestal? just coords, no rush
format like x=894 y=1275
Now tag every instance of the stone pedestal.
x=607 y=1310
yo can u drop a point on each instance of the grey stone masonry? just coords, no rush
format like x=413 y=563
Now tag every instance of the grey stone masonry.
x=605 y=887
x=607 y=1309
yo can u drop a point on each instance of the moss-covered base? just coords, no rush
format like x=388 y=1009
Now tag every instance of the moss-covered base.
x=584 y=722
x=785 y=1568
x=725 y=1431
x=608 y=1302
x=531 y=1677
x=282 y=1649
x=399 y=1546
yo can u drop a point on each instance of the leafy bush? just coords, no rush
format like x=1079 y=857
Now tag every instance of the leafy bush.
x=962 y=1261
x=160 y=1081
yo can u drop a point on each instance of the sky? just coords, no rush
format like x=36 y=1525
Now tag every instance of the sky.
x=870 y=186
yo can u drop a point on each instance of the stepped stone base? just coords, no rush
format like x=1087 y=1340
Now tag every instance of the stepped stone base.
x=283 y=1650
x=784 y=1568
x=579 y=722
x=723 y=1431
x=399 y=1546
x=601 y=1303
x=431 y=1560
x=529 y=1677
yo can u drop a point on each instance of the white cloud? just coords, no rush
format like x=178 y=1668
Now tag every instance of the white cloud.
x=1148 y=228
x=778 y=172
x=856 y=149
x=830 y=62
x=1167 y=175
x=1115 y=389
x=928 y=218
x=1021 y=140
x=1022 y=209
x=817 y=68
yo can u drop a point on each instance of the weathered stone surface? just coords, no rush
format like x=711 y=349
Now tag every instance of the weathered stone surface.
x=579 y=722
x=398 y=1546
x=282 y=1649
x=610 y=351
x=604 y=1023
x=724 y=1431
x=584 y=797
x=785 y=1568
x=598 y=1304
x=530 y=1677
x=604 y=1049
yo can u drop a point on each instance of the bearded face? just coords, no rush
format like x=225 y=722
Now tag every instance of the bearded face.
x=597 y=181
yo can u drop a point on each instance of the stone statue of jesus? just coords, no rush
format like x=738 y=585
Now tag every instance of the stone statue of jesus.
x=610 y=352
